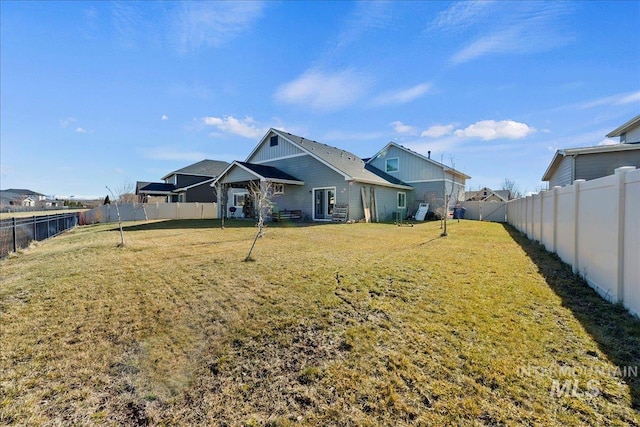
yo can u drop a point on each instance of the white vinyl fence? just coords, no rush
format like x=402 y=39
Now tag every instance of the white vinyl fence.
x=149 y=211
x=485 y=211
x=595 y=227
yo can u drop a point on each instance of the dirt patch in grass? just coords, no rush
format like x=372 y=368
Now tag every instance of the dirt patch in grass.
x=363 y=324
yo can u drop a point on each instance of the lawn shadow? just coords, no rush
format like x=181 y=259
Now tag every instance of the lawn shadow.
x=182 y=224
x=615 y=330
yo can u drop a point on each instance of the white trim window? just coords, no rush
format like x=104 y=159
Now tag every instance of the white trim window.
x=402 y=200
x=392 y=165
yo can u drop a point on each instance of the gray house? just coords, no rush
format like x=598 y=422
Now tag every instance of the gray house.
x=188 y=184
x=322 y=183
x=595 y=162
x=432 y=181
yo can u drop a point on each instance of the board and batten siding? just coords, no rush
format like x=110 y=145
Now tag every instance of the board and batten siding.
x=563 y=174
x=265 y=152
x=237 y=174
x=632 y=135
x=386 y=201
x=594 y=166
x=410 y=166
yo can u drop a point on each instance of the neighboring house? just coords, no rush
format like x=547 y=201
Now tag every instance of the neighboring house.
x=20 y=197
x=487 y=195
x=189 y=184
x=432 y=181
x=317 y=180
x=595 y=162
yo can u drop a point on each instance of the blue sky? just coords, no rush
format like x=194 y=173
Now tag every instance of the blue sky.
x=97 y=94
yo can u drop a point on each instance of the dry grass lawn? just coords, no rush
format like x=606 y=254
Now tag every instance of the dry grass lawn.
x=363 y=324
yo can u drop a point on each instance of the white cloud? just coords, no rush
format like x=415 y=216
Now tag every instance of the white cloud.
x=119 y=171
x=164 y=117
x=517 y=28
x=324 y=91
x=67 y=121
x=619 y=99
x=214 y=23
x=460 y=15
x=490 y=129
x=81 y=130
x=403 y=96
x=229 y=124
x=608 y=141
x=437 y=131
x=400 y=127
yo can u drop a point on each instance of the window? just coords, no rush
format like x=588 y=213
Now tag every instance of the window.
x=392 y=165
x=402 y=200
x=278 y=188
x=273 y=141
x=238 y=199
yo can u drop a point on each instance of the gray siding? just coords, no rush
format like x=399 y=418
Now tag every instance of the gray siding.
x=201 y=193
x=237 y=174
x=431 y=192
x=266 y=152
x=603 y=164
x=411 y=167
x=633 y=135
x=315 y=175
x=563 y=174
x=385 y=197
x=187 y=180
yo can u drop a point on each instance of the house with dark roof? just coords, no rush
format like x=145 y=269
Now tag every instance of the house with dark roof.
x=325 y=183
x=597 y=161
x=188 y=184
x=432 y=181
x=486 y=194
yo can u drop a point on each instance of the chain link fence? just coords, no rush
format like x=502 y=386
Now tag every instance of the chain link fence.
x=18 y=233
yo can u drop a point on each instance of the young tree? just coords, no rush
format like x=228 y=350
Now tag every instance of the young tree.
x=261 y=192
x=119 y=220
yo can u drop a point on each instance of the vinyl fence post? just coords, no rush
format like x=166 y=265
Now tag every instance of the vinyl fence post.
x=620 y=174
x=576 y=229
x=15 y=234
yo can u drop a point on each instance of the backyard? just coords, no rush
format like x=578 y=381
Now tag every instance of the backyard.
x=337 y=324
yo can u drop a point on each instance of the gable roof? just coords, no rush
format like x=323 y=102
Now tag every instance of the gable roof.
x=21 y=192
x=501 y=194
x=211 y=168
x=154 y=187
x=261 y=172
x=560 y=154
x=635 y=122
x=270 y=173
x=347 y=164
x=427 y=159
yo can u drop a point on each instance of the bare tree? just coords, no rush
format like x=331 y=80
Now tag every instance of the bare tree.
x=511 y=186
x=119 y=219
x=262 y=194
x=126 y=192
